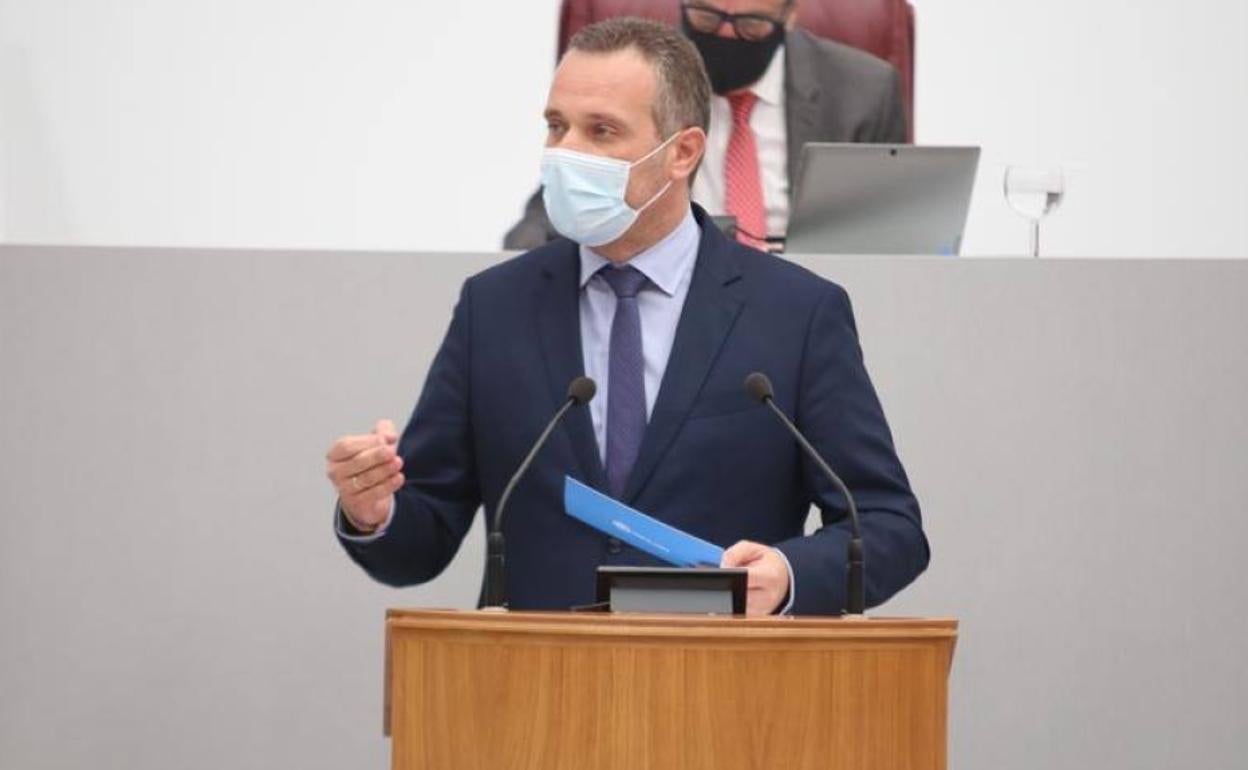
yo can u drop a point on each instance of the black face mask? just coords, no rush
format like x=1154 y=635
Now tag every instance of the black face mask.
x=731 y=62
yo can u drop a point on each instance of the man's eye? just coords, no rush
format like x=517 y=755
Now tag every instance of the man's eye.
x=602 y=129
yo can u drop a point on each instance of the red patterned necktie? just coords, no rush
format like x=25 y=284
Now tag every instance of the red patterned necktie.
x=743 y=187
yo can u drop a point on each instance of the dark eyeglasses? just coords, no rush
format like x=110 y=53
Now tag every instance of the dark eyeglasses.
x=748 y=26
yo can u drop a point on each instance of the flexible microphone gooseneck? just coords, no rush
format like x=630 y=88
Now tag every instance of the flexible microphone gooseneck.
x=759 y=388
x=580 y=391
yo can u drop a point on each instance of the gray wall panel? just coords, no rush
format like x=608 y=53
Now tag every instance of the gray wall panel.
x=171 y=593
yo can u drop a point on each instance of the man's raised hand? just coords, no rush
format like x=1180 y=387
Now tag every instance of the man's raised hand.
x=366 y=471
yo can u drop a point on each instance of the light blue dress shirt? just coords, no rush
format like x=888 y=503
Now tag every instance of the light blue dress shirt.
x=668 y=266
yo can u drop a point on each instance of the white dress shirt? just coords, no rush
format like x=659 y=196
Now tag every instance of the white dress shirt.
x=769 y=125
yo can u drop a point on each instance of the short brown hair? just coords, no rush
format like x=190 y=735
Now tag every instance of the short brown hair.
x=683 y=91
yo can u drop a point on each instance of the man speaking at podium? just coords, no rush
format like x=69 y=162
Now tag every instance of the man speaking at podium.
x=646 y=297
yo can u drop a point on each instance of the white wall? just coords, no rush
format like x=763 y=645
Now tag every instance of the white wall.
x=416 y=125
x=371 y=123
x=1149 y=102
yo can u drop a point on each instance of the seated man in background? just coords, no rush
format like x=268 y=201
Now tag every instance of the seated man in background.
x=776 y=88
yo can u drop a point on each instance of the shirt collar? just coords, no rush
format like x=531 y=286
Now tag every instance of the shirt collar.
x=666 y=264
x=770 y=87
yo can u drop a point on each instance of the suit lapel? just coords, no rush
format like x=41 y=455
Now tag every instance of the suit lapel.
x=559 y=329
x=801 y=94
x=711 y=308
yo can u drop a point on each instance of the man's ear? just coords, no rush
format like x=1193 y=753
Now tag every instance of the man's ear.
x=689 y=146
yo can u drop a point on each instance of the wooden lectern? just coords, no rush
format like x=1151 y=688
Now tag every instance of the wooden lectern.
x=547 y=691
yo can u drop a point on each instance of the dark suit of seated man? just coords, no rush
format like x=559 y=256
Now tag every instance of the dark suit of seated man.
x=644 y=295
x=789 y=88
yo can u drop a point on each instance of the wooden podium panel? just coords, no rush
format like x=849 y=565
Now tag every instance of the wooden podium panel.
x=547 y=691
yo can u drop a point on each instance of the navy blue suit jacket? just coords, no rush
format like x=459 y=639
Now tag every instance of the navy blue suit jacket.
x=713 y=462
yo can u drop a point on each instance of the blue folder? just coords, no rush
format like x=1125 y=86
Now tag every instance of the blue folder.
x=637 y=529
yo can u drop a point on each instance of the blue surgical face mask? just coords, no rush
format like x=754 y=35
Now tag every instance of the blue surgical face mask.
x=584 y=194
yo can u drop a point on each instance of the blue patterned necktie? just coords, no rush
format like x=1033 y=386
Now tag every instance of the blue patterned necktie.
x=626 y=380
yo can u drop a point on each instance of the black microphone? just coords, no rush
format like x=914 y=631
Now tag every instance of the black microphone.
x=759 y=388
x=581 y=391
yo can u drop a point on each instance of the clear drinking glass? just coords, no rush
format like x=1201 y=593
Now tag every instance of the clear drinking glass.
x=1034 y=193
